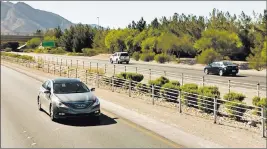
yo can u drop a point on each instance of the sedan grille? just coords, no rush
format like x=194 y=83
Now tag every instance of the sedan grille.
x=80 y=105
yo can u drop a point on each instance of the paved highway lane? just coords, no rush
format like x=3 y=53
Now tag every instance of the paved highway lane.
x=240 y=78
x=23 y=125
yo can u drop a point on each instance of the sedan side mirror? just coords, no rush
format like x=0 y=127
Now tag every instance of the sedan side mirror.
x=46 y=91
x=92 y=89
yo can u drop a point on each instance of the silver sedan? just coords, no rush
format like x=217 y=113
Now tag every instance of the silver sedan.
x=66 y=98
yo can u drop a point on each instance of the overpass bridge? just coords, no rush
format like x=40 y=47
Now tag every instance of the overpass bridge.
x=18 y=38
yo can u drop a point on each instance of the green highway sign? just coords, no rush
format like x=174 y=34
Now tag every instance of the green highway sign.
x=48 y=44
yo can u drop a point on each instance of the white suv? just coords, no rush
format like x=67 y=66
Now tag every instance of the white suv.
x=120 y=57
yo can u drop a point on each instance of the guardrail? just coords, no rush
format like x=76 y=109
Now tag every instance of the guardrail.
x=226 y=86
x=215 y=108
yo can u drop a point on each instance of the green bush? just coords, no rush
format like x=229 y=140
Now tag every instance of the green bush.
x=206 y=98
x=256 y=62
x=33 y=43
x=159 y=81
x=256 y=100
x=162 y=58
x=176 y=83
x=89 y=52
x=136 y=56
x=190 y=94
x=235 y=109
x=234 y=96
x=170 y=91
x=131 y=76
x=147 y=57
x=208 y=56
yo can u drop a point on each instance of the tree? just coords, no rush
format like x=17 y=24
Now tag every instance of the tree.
x=155 y=24
x=66 y=40
x=115 y=40
x=58 y=32
x=83 y=37
x=222 y=41
x=99 y=41
x=33 y=43
x=38 y=32
x=167 y=42
x=141 y=24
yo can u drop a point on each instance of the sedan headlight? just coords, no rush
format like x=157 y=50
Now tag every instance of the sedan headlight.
x=96 y=101
x=60 y=104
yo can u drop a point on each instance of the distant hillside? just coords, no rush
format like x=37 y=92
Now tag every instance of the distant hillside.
x=22 y=18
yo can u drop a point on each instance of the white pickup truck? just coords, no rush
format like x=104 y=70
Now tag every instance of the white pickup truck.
x=119 y=57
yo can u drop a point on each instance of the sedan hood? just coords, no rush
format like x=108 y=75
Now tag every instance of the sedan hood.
x=77 y=97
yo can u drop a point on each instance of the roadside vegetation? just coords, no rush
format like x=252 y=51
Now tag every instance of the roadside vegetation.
x=221 y=36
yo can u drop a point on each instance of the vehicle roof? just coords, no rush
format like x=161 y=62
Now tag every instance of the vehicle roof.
x=65 y=80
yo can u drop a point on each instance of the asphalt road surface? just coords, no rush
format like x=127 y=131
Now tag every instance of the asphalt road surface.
x=240 y=78
x=22 y=125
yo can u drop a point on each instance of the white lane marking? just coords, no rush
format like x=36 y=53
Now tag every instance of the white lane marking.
x=33 y=144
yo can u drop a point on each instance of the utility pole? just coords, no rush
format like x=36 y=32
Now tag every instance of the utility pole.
x=98 y=23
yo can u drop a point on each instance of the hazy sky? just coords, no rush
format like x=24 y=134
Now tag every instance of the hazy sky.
x=121 y=13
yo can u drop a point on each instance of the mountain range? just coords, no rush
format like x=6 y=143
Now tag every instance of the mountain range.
x=22 y=18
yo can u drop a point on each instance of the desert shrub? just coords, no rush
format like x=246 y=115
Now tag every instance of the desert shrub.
x=162 y=58
x=176 y=83
x=41 y=50
x=136 y=56
x=26 y=57
x=259 y=102
x=234 y=96
x=89 y=52
x=95 y=70
x=23 y=57
x=158 y=83
x=256 y=100
x=208 y=56
x=170 y=91
x=189 y=94
x=235 y=109
x=58 y=50
x=206 y=98
x=147 y=57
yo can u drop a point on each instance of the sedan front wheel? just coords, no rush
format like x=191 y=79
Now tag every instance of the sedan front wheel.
x=221 y=73
x=51 y=113
x=206 y=71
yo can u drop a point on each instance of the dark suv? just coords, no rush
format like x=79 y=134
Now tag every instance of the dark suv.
x=221 y=68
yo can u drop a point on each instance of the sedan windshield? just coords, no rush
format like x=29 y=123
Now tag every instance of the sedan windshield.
x=124 y=54
x=70 y=87
x=227 y=63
